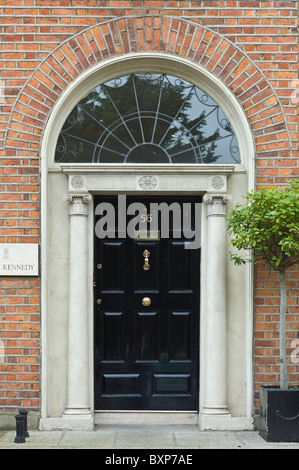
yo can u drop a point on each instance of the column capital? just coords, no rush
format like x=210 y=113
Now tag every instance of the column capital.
x=78 y=201
x=216 y=203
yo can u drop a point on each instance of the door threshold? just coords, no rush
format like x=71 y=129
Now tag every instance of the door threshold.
x=149 y=418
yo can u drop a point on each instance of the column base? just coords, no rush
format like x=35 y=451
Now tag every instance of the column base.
x=78 y=418
x=225 y=423
x=216 y=410
x=72 y=419
x=76 y=411
x=68 y=423
x=215 y=418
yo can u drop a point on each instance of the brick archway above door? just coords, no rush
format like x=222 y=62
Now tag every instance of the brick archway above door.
x=142 y=34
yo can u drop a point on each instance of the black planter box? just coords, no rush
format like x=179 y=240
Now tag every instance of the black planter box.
x=279 y=414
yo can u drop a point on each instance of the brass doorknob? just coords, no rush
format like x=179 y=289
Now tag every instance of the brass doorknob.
x=146 y=301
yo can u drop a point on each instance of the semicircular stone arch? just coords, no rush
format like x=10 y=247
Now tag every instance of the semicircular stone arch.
x=160 y=34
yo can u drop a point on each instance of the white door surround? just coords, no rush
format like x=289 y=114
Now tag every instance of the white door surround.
x=211 y=182
x=221 y=186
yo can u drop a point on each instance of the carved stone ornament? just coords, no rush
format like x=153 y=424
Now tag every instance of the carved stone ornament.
x=78 y=201
x=217 y=182
x=216 y=203
x=148 y=182
x=70 y=196
x=77 y=182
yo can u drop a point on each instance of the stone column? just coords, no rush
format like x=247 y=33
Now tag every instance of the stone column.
x=215 y=394
x=78 y=407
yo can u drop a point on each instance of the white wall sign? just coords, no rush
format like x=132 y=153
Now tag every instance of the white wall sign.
x=18 y=259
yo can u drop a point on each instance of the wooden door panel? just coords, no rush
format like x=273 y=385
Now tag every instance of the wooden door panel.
x=146 y=341
x=112 y=336
x=172 y=384
x=180 y=267
x=181 y=332
x=113 y=278
x=121 y=385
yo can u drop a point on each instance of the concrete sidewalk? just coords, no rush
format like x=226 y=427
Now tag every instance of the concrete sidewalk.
x=142 y=437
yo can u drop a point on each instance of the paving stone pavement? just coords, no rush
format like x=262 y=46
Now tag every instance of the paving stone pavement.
x=142 y=437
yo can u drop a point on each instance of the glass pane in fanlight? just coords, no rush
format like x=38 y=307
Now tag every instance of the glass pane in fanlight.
x=147 y=118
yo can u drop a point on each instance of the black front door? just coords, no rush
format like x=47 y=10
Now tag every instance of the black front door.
x=146 y=318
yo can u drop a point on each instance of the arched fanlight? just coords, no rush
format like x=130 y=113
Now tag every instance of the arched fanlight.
x=147 y=118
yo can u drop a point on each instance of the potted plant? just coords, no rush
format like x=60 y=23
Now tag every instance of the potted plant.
x=267 y=227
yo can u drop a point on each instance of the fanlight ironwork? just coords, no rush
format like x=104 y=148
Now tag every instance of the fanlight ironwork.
x=147 y=118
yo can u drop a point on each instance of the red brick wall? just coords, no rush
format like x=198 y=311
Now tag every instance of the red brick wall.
x=19 y=333
x=251 y=46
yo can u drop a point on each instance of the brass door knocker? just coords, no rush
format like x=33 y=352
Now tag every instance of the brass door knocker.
x=146 y=255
